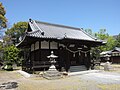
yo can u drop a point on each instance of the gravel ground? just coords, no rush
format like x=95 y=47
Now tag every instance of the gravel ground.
x=92 y=81
x=102 y=77
x=39 y=83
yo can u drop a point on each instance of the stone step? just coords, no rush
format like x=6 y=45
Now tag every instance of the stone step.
x=77 y=68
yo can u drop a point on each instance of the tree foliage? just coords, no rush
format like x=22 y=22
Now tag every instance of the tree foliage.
x=3 y=19
x=118 y=41
x=89 y=31
x=11 y=54
x=16 y=31
x=1 y=46
x=1 y=50
x=110 y=41
x=102 y=35
x=7 y=40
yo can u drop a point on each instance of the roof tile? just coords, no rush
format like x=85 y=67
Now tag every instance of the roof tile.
x=57 y=31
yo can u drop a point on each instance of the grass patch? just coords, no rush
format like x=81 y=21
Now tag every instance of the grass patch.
x=109 y=86
x=17 y=75
x=13 y=74
x=24 y=86
x=116 y=68
x=116 y=65
x=97 y=67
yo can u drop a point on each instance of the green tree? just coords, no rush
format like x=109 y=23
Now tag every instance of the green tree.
x=110 y=41
x=3 y=19
x=11 y=54
x=110 y=44
x=102 y=34
x=1 y=51
x=1 y=46
x=16 y=31
x=118 y=41
x=89 y=31
x=7 y=40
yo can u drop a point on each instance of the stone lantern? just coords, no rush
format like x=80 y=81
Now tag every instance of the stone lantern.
x=107 y=57
x=52 y=73
x=107 y=66
x=52 y=58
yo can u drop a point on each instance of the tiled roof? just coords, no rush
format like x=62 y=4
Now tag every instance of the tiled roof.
x=55 y=31
x=117 y=49
x=106 y=52
x=109 y=52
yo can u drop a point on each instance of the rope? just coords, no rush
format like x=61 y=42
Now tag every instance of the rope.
x=74 y=52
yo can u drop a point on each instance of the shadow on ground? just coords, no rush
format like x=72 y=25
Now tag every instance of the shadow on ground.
x=9 y=85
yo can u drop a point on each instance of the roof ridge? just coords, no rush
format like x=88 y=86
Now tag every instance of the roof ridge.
x=88 y=34
x=57 y=25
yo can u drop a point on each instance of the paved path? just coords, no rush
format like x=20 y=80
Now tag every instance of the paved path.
x=102 y=77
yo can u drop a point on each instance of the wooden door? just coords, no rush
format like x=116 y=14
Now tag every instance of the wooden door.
x=74 y=59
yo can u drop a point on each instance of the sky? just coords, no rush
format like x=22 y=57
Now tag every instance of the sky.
x=86 y=14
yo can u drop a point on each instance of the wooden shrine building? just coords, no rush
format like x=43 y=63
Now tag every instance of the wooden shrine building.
x=72 y=46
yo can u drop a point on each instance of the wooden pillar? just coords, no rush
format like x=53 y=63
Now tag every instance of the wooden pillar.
x=24 y=61
x=39 y=51
x=88 y=60
x=49 y=46
x=34 y=53
x=32 y=65
x=67 y=60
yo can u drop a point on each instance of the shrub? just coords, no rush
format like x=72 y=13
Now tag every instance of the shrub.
x=11 y=54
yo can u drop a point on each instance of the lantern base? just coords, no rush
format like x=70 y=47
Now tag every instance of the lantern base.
x=52 y=73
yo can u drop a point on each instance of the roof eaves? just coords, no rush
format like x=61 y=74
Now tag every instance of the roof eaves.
x=42 y=37
x=32 y=32
x=116 y=48
x=82 y=39
x=33 y=24
x=21 y=41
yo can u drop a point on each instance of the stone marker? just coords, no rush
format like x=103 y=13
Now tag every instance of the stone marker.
x=107 y=66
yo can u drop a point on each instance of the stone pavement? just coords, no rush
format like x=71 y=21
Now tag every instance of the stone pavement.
x=102 y=77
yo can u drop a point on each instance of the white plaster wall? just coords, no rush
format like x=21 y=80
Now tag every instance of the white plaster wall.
x=37 y=45
x=53 y=45
x=44 y=45
x=32 y=47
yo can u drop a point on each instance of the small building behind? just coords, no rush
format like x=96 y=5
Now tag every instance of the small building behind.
x=114 y=55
